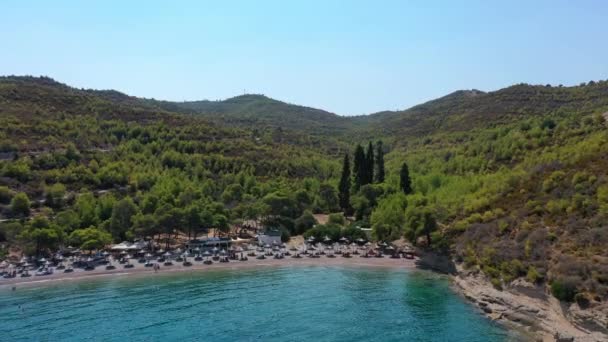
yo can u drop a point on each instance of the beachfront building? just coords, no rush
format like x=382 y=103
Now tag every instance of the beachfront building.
x=270 y=236
x=127 y=246
x=207 y=244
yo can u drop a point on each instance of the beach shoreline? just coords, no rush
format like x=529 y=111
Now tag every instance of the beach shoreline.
x=139 y=269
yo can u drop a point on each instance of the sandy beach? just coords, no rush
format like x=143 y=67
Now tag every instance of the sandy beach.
x=140 y=269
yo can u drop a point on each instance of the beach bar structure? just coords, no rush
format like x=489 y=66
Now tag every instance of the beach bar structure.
x=127 y=246
x=270 y=236
x=207 y=244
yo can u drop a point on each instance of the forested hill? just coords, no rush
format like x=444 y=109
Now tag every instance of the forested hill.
x=259 y=110
x=40 y=98
x=512 y=182
x=458 y=111
x=467 y=109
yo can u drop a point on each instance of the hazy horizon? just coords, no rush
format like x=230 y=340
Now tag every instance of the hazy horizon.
x=346 y=58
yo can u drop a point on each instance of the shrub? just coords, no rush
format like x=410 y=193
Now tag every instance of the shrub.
x=336 y=218
x=503 y=226
x=565 y=288
x=321 y=231
x=533 y=275
x=512 y=269
x=285 y=235
x=553 y=181
x=491 y=271
x=496 y=283
x=5 y=195
x=353 y=233
x=20 y=205
x=460 y=226
x=557 y=207
x=304 y=222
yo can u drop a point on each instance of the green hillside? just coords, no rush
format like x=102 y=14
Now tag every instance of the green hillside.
x=468 y=109
x=511 y=182
x=261 y=111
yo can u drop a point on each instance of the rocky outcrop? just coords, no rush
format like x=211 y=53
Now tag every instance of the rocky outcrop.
x=530 y=310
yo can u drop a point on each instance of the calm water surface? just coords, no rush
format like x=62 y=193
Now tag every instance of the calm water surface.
x=278 y=304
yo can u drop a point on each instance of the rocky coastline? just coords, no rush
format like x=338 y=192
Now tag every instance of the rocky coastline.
x=531 y=310
x=525 y=308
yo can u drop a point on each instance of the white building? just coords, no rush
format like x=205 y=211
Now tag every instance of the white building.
x=270 y=237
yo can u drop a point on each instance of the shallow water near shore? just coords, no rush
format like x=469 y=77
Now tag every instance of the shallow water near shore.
x=279 y=304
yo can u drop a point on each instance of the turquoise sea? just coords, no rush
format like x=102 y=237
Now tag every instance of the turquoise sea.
x=269 y=304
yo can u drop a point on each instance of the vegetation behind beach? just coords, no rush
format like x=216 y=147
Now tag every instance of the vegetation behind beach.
x=512 y=182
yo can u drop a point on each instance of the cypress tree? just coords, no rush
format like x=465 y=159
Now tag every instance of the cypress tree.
x=369 y=164
x=359 y=167
x=344 y=186
x=379 y=162
x=405 y=181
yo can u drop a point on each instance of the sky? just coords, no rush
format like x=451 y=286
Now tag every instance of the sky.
x=348 y=57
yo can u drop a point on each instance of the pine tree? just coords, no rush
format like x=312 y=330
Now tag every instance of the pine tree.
x=359 y=167
x=405 y=181
x=369 y=164
x=344 y=187
x=379 y=162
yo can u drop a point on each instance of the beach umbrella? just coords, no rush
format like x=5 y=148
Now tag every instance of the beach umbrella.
x=266 y=246
x=123 y=252
x=360 y=240
x=129 y=256
x=161 y=251
x=105 y=254
x=215 y=249
x=167 y=254
x=206 y=253
x=42 y=260
x=178 y=250
x=148 y=255
x=142 y=251
x=186 y=254
x=197 y=249
x=223 y=252
x=383 y=244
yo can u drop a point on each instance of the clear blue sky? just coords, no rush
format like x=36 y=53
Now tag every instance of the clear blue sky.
x=349 y=57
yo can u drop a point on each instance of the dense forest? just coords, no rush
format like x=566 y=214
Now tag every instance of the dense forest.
x=511 y=182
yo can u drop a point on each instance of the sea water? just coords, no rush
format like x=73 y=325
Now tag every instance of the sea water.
x=269 y=304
